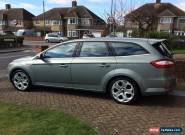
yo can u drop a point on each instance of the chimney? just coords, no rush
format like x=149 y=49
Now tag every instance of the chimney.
x=74 y=3
x=158 y=1
x=8 y=6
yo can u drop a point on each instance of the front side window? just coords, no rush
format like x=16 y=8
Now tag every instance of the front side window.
x=126 y=49
x=52 y=35
x=94 y=49
x=61 y=51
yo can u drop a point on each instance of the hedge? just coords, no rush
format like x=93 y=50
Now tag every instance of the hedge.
x=11 y=41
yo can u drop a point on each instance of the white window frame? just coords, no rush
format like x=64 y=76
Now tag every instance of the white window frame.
x=48 y=22
x=166 y=20
x=37 y=22
x=72 y=21
x=72 y=33
x=2 y=22
x=85 y=21
x=56 y=22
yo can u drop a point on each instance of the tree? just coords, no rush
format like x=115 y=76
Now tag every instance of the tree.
x=144 y=18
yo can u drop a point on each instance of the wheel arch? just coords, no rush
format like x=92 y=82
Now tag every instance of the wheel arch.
x=16 y=69
x=123 y=76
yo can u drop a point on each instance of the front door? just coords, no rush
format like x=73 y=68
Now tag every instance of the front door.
x=54 y=68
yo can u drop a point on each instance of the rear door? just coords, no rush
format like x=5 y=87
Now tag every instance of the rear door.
x=94 y=62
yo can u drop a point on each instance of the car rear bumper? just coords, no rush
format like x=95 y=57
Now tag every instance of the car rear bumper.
x=163 y=86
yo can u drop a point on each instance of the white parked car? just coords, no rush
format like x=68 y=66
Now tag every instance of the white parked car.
x=25 y=32
x=55 y=38
x=89 y=35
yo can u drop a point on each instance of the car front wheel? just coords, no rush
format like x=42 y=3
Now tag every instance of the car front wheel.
x=21 y=80
x=123 y=90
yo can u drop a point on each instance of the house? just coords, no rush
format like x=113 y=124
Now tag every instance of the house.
x=15 y=18
x=161 y=17
x=72 y=22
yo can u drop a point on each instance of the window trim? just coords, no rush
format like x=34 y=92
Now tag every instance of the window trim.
x=166 y=20
x=82 y=43
x=114 y=52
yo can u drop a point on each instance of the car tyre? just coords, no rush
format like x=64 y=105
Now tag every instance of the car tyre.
x=21 y=80
x=47 y=41
x=61 y=41
x=123 y=90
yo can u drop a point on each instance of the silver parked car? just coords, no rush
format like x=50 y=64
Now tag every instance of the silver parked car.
x=55 y=38
x=125 y=68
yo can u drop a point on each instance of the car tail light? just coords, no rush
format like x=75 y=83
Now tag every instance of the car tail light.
x=163 y=63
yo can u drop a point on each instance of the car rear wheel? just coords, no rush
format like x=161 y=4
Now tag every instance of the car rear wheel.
x=47 y=41
x=61 y=41
x=123 y=90
x=21 y=80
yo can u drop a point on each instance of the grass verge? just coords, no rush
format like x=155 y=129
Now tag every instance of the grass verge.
x=23 y=120
x=179 y=51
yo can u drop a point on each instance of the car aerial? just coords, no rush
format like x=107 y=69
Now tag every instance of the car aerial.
x=126 y=68
x=55 y=38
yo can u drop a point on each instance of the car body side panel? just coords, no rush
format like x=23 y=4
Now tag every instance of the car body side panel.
x=88 y=72
x=52 y=71
x=122 y=72
x=146 y=75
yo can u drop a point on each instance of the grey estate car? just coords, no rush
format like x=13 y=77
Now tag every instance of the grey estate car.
x=125 y=68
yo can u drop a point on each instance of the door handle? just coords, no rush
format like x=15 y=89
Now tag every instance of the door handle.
x=104 y=65
x=63 y=65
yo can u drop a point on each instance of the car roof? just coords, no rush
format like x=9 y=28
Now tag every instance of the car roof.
x=132 y=40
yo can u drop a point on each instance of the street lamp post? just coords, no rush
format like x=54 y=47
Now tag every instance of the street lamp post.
x=44 y=19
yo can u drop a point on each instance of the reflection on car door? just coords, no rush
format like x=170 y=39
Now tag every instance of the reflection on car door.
x=93 y=63
x=54 y=69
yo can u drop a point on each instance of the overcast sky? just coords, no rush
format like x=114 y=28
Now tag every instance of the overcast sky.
x=100 y=7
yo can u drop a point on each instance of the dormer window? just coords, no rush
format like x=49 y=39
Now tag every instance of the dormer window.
x=166 y=20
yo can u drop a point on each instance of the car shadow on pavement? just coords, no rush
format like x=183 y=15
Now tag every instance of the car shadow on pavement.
x=162 y=100
x=80 y=93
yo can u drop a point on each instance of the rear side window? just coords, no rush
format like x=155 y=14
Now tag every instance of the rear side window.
x=126 y=49
x=94 y=49
x=52 y=35
x=162 y=48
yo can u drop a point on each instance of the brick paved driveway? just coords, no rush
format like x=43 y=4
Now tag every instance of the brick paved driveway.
x=102 y=113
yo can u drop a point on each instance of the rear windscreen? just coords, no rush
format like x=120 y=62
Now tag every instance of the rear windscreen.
x=162 y=48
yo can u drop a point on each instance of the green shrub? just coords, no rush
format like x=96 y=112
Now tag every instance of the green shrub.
x=11 y=41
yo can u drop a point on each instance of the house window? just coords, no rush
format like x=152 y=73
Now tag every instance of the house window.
x=56 y=22
x=166 y=20
x=37 y=22
x=2 y=22
x=182 y=20
x=85 y=21
x=19 y=22
x=72 y=21
x=48 y=22
x=72 y=33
